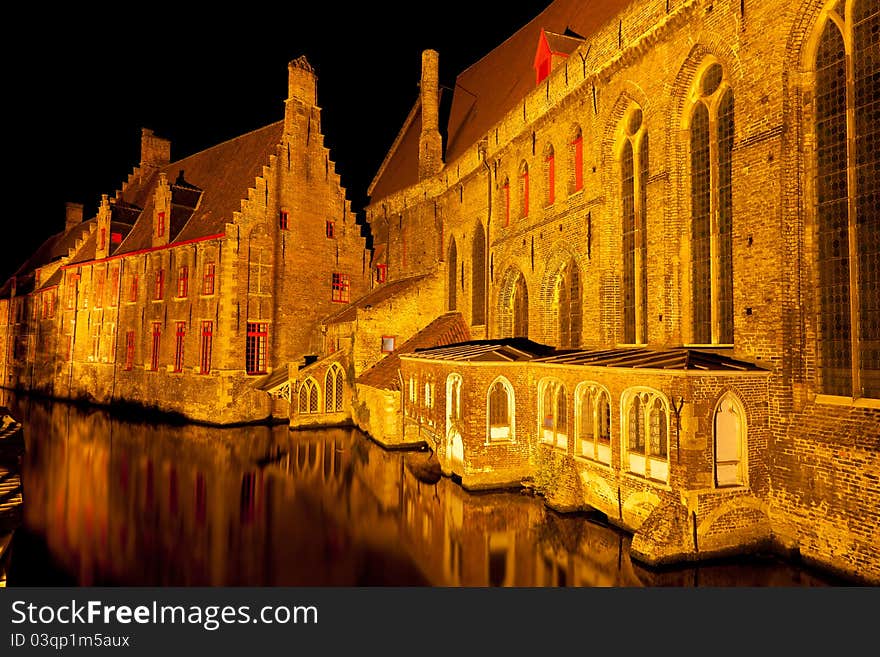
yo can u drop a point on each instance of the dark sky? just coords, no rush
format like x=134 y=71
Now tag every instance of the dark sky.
x=86 y=83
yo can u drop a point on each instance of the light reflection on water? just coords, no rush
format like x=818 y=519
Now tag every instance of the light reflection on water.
x=112 y=502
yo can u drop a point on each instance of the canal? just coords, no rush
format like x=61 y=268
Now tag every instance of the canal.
x=112 y=501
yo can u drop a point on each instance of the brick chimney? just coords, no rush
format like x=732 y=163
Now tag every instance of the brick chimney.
x=155 y=151
x=302 y=94
x=73 y=215
x=430 y=143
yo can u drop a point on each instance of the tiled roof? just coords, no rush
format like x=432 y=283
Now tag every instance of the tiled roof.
x=679 y=358
x=223 y=173
x=503 y=350
x=446 y=329
x=270 y=381
x=372 y=298
x=491 y=87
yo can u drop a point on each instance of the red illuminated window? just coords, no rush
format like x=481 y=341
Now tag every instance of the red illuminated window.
x=208 y=280
x=129 y=350
x=331 y=229
x=160 y=224
x=578 y=162
x=157 y=340
x=341 y=288
x=180 y=336
x=381 y=273
x=207 y=346
x=115 y=238
x=133 y=292
x=159 y=292
x=255 y=350
x=182 y=281
x=284 y=220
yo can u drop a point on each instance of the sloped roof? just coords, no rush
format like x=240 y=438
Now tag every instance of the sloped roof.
x=446 y=329
x=562 y=44
x=223 y=173
x=493 y=86
x=679 y=358
x=271 y=381
x=503 y=350
x=372 y=298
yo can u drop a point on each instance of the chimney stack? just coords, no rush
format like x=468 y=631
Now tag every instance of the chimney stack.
x=155 y=151
x=302 y=97
x=73 y=215
x=430 y=143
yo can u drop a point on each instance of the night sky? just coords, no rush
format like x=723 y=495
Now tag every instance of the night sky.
x=86 y=83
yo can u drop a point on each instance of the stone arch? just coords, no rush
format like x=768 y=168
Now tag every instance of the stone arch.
x=730 y=441
x=504 y=426
x=561 y=257
x=612 y=131
x=512 y=281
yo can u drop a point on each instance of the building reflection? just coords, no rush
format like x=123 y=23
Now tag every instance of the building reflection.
x=125 y=503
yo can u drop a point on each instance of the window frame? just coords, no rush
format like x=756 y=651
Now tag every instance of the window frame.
x=644 y=464
x=506 y=432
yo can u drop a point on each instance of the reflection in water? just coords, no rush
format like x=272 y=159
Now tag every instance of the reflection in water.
x=110 y=502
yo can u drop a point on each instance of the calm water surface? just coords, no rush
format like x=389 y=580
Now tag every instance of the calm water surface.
x=115 y=502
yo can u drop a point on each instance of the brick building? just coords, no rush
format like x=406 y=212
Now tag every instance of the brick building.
x=196 y=280
x=679 y=198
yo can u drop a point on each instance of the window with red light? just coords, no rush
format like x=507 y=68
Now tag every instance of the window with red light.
x=160 y=224
x=381 y=273
x=208 y=279
x=284 y=220
x=179 y=338
x=255 y=349
x=182 y=281
x=341 y=287
x=157 y=340
x=115 y=238
x=331 y=229
x=159 y=292
x=129 y=350
x=207 y=346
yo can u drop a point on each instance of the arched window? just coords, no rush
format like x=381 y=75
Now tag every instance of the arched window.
x=711 y=143
x=568 y=305
x=730 y=433
x=333 y=387
x=429 y=394
x=634 y=195
x=453 y=397
x=646 y=414
x=847 y=193
x=478 y=277
x=308 y=397
x=549 y=175
x=500 y=407
x=523 y=189
x=451 y=278
x=593 y=422
x=553 y=411
x=576 y=161
x=520 y=303
x=505 y=201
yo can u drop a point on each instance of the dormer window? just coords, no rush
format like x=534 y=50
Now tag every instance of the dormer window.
x=552 y=49
x=115 y=238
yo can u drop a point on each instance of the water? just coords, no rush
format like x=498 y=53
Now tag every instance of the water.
x=109 y=501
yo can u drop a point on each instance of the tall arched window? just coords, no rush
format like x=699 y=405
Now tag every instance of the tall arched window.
x=523 y=189
x=451 y=275
x=553 y=411
x=847 y=196
x=549 y=175
x=568 y=305
x=500 y=406
x=520 y=303
x=593 y=422
x=478 y=277
x=646 y=414
x=308 y=397
x=730 y=433
x=634 y=194
x=576 y=161
x=711 y=144
x=333 y=387
x=453 y=397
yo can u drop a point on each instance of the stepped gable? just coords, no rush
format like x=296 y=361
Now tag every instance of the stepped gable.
x=219 y=176
x=446 y=329
x=491 y=87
